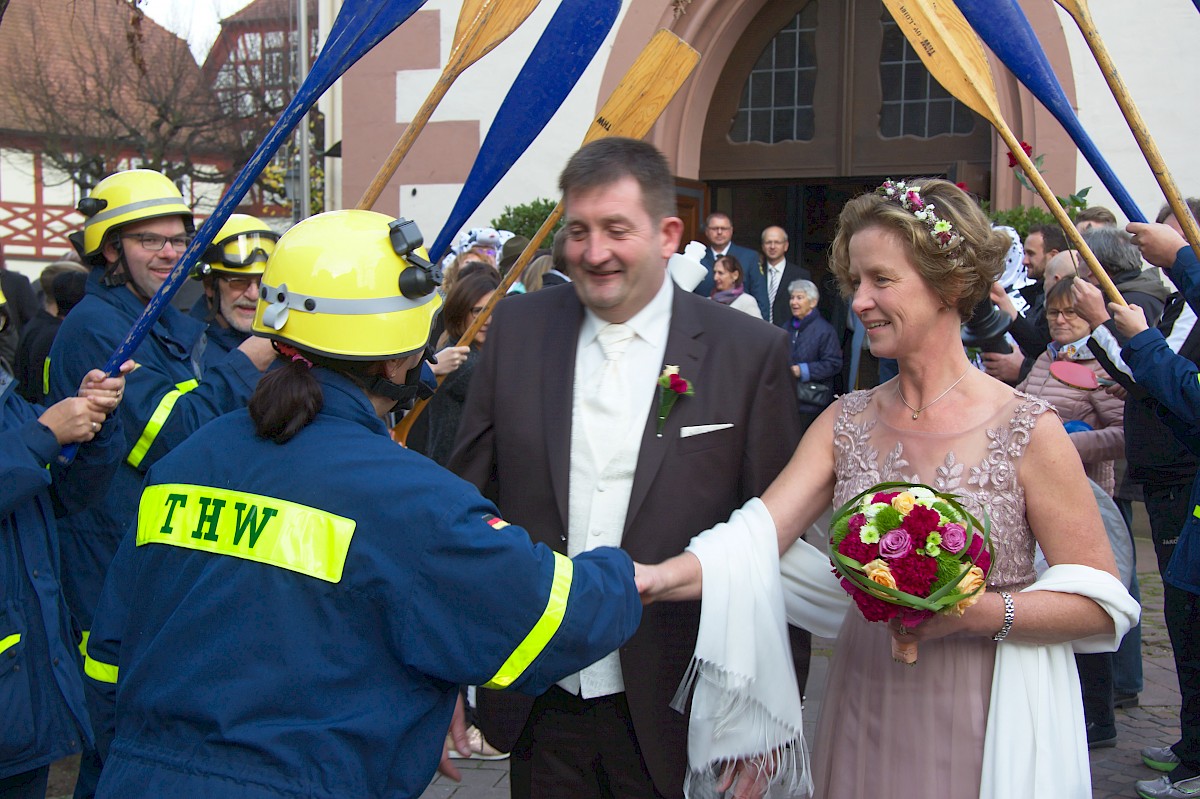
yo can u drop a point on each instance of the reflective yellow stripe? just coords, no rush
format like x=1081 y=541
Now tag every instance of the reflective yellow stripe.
x=46 y=378
x=9 y=642
x=543 y=631
x=83 y=644
x=154 y=426
x=99 y=671
x=248 y=526
x=1196 y=511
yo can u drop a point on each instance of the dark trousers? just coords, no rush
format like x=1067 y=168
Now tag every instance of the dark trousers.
x=575 y=748
x=1168 y=508
x=1096 y=679
x=26 y=785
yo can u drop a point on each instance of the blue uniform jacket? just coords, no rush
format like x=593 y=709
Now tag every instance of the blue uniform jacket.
x=292 y=666
x=1175 y=382
x=42 y=711
x=165 y=402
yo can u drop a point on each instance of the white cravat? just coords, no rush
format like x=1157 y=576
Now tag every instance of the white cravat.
x=606 y=404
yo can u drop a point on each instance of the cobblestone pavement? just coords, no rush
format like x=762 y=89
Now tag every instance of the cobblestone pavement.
x=1154 y=722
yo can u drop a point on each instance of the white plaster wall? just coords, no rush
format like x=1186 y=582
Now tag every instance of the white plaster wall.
x=477 y=94
x=1153 y=44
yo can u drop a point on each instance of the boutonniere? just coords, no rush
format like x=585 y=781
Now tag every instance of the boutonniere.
x=671 y=387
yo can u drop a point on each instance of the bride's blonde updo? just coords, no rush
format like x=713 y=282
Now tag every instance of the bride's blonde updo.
x=959 y=263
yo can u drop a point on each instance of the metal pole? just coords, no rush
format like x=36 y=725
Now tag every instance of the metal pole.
x=301 y=73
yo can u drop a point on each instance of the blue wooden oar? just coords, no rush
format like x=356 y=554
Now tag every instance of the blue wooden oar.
x=360 y=25
x=551 y=71
x=1006 y=30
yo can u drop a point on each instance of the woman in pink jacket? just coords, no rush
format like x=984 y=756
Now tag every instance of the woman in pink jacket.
x=1104 y=414
x=1096 y=422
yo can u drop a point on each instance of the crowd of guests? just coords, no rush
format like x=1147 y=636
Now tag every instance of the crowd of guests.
x=264 y=336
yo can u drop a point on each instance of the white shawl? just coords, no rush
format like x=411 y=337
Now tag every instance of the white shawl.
x=1036 y=744
x=746 y=702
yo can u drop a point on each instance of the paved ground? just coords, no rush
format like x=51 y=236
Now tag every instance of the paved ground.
x=1114 y=771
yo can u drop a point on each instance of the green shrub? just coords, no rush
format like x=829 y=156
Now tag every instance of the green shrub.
x=527 y=218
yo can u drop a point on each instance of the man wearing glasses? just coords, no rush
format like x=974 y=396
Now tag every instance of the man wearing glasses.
x=137 y=227
x=231 y=271
x=719 y=232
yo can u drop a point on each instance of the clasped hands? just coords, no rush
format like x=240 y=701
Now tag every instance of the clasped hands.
x=78 y=419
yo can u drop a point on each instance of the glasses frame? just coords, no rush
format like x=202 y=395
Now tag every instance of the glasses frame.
x=144 y=238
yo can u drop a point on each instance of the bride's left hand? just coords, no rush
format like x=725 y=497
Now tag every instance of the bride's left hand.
x=936 y=626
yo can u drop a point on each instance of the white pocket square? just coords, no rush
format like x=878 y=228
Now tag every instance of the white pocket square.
x=700 y=429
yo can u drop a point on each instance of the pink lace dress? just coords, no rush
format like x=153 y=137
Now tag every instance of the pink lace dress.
x=890 y=730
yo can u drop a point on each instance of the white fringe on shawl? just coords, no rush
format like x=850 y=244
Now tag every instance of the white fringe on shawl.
x=746 y=703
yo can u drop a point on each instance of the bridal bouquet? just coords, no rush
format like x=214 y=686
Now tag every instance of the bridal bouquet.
x=906 y=551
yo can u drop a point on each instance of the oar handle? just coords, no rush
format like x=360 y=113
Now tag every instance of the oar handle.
x=1060 y=215
x=1137 y=125
x=404 y=426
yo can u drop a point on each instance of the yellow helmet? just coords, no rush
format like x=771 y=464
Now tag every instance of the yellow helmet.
x=241 y=247
x=351 y=285
x=125 y=197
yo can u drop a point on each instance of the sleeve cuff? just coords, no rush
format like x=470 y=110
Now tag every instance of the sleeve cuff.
x=805 y=373
x=40 y=440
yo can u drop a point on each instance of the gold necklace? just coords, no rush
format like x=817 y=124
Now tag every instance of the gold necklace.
x=917 y=411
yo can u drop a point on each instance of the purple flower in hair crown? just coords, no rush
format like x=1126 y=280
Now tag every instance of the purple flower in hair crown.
x=909 y=198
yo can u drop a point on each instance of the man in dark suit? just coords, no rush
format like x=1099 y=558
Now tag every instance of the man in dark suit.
x=719 y=231
x=540 y=436
x=778 y=274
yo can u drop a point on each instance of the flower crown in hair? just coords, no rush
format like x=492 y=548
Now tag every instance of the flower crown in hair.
x=910 y=200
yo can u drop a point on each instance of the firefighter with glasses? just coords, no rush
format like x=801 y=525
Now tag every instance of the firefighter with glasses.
x=136 y=228
x=231 y=270
x=299 y=625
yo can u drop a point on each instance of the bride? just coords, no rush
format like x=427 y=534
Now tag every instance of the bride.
x=974 y=716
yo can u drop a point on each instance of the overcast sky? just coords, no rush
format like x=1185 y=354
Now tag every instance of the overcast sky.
x=195 y=20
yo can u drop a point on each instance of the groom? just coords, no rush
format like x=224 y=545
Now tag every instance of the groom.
x=562 y=429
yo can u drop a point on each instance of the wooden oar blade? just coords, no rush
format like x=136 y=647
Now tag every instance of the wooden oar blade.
x=949 y=49
x=470 y=11
x=554 y=66
x=1006 y=30
x=649 y=85
x=494 y=22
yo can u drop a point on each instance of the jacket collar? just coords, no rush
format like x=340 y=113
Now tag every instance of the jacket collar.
x=345 y=399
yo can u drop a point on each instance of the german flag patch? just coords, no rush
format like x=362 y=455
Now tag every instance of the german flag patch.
x=495 y=522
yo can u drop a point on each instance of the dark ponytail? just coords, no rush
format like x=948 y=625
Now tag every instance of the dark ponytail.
x=288 y=396
x=286 y=399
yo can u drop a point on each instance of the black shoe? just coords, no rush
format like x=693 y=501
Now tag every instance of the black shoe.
x=1101 y=737
x=1125 y=701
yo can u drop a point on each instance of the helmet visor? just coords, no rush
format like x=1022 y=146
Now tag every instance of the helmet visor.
x=247 y=249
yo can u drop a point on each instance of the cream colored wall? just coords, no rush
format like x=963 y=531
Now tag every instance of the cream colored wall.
x=1153 y=44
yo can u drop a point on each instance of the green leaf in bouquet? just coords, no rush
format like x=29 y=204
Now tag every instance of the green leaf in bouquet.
x=949 y=513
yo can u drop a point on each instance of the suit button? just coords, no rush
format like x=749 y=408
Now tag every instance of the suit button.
x=35 y=572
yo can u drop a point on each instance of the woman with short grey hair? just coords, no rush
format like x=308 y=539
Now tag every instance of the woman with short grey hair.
x=816 y=355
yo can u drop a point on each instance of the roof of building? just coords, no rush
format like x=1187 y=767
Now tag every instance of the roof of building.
x=54 y=46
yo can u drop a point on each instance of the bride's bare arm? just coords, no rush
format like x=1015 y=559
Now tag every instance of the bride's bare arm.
x=795 y=499
x=804 y=489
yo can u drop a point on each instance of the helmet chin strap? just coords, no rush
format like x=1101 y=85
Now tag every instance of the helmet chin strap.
x=403 y=394
x=117 y=274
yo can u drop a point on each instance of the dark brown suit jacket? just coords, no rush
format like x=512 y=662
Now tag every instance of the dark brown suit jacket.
x=514 y=443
